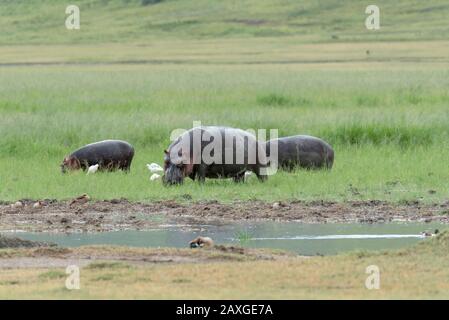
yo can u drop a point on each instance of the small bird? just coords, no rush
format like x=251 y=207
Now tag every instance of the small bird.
x=93 y=169
x=80 y=200
x=200 y=242
x=154 y=167
x=155 y=176
x=248 y=174
x=18 y=204
x=38 y=204
x=430 y=234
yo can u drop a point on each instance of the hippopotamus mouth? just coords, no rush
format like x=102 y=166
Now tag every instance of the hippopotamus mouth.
x=63 y=168
x=174 y=174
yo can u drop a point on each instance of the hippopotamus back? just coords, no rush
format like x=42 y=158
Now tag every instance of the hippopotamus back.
x=303 y=151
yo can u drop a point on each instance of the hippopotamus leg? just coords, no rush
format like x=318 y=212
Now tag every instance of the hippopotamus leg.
x=239 y=178
x=123 y=165
x=126 y=167
x=201 y=173
x=257 y=169
x=288 y=166
x=85 y=165
x=261 y=177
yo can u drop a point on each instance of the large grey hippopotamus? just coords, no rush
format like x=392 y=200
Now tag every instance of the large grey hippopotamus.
x=302 y=151
x=109 y=155
x=214 y=152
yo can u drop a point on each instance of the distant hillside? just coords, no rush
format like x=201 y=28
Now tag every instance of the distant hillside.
x=42 y=21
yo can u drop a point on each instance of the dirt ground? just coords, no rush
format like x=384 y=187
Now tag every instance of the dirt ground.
x=417 y=272
x=112 y=215
x=52 y=257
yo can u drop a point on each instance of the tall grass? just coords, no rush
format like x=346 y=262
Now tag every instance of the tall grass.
x=389 y=149
x=400 y=135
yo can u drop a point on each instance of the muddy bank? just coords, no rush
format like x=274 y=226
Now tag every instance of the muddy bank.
x=14 y=242
x=95 y=216
x=100 y=256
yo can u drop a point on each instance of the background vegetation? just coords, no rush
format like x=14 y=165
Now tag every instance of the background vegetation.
x=136 y=72
x=42 y=21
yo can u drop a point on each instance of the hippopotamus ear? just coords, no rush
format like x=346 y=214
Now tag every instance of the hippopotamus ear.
x=166 y=152
x=74 y=163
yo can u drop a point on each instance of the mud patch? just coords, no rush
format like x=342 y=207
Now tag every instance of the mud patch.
x=84 y=256
x=14 y=242
x=120 y=214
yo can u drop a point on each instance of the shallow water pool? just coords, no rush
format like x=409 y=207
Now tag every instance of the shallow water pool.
x=305 y=239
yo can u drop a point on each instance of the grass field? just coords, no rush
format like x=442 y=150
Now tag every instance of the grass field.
x=419 y=272
x=137 y=72
x=388 y=126
x=38 y=22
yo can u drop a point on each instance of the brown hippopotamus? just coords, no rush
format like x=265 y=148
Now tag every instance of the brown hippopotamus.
x=302 y=151
x=109 y=155
x=214 y=152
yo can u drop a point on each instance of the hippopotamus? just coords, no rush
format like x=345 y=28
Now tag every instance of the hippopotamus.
x=109 y=155
x=302 y=151
x=214 y=152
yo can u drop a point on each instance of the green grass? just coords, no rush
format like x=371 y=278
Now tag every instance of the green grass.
x=138 y=69
x=243 y=237
x=37 y=21
x=52 y=274
x=136 y=72
x=393 y=147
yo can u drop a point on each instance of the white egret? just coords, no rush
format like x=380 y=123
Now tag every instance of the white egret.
x=93 y=169
x=154 y=167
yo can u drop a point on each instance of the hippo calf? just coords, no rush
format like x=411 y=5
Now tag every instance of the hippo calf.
x=303 y=151
x=109 y=155
x=214 y=152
